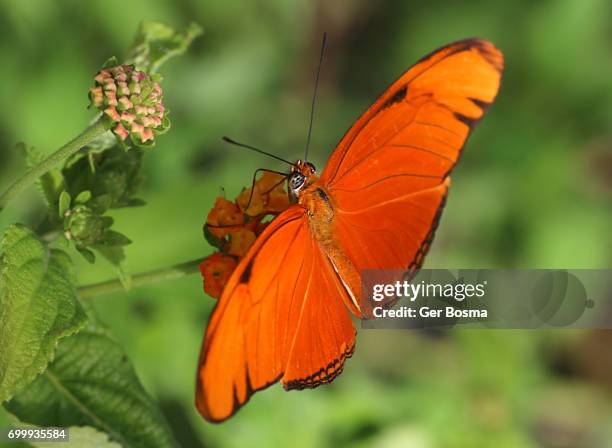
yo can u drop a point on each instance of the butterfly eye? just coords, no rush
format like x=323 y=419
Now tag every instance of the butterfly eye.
x=296 y=181
x=312 y=167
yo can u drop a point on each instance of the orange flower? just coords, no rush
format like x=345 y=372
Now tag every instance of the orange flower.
x=277 y=201
x=269 y=196
x=216 y=271
x=255 y=207
x=240 y=241
x=232 y=227
x=272 y=188
x=270 y=182
x=223 y=217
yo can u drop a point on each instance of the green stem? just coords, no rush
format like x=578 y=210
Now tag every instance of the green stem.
x=144 y=278
x=89 y=134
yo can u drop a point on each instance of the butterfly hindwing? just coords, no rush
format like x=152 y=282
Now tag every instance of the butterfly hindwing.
x=281 y=317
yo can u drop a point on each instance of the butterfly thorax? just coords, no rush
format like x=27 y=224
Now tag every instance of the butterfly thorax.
x=306 y=190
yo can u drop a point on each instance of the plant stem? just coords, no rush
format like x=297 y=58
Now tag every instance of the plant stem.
x=144 y=278
x=90 y=133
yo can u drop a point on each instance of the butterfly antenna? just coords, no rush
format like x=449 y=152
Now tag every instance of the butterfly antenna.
x=252 y=148
x=314 y=96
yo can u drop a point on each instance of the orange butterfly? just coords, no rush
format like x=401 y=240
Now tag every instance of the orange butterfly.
x=283 y=315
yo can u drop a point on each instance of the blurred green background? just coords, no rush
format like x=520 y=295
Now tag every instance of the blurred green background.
x=534 y=189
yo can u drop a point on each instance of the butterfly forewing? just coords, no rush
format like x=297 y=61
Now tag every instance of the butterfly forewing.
x=389 y=175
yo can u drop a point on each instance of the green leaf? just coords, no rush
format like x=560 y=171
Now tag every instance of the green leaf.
x=146 y=145
x=39 y=307
x=113 y=181
x=83 y=197
x=110 y=62
x=113 y=238
x=116 y=256
x=51 y=183
x=102 y=203
x=135 y=202
x=87 y=254
x=64 y=203
x=100 y=144
x=165 y=126
x=92 y=383
x=63 y=241
x=82 y=437
x=156 y=42
x=213 y=240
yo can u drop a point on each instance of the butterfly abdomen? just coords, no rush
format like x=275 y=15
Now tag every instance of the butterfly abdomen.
x=320 y=210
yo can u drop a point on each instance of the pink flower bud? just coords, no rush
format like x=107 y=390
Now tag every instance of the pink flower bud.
x=121 y=132
x=122 y=88
x=125 y=103
x=132 y=101
x=136 y=128
x=127 y=117
x=110 y=99
x=101 y=76
x=109 y=85
x=146 y=135
x=96 y=96
x=112 y=113
x=135 y=87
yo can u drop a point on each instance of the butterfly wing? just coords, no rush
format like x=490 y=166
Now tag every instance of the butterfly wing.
x=389 y=175
x=281 y=317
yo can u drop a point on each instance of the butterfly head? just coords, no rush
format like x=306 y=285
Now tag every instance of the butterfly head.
x=301 y=175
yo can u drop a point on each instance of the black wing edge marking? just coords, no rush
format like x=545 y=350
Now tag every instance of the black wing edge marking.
x=417 y=262
x=237 y=404
x=471 y=124
x=324 y=375
x=413 y=268
x=461 y=45
x=482 y=45
x=398 y=96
